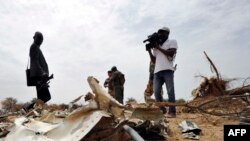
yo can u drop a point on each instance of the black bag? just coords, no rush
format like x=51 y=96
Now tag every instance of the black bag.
x=31 y=81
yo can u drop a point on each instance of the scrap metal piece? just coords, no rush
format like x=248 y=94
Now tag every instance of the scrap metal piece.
x=151 y=130
x=3 y=129
x=190 y=130
x=76 y=125
x=107 y=129
x=72 y=128
x=73 y=102
x=135 y=136
x=104 y=100
x=245 y=116
x=50 y=117
x=26 y=129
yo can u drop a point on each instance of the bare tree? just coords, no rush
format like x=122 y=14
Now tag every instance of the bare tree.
x=10 y=105
x=131 y=100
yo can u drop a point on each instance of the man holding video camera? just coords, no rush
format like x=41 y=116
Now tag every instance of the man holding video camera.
x=164 y=51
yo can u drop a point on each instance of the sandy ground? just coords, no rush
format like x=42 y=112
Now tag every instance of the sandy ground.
x=212 y=126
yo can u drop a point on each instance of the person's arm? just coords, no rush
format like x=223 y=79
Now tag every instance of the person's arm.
x=169 y=52
x=34 y=56
x=106 y=83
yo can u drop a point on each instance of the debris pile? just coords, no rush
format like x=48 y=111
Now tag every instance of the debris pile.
x=102 y=118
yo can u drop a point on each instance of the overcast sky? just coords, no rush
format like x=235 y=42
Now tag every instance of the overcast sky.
x=86 y=38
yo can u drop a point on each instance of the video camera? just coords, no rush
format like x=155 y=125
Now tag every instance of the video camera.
x=153 y=39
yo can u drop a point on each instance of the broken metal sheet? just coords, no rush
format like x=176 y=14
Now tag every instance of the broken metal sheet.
x=244 y=120
x=246 y=112
x=135 y=136
x=151 y=130
x=190 y=135
x=70 y=108
x=3 y=133
x=72 y=128
x=189 y=126
x=61 y=114
x=100 y=93
x=4 y=125
x=38 y=126
x=53 y=117
x=106 y=129
x=76 y=126
x=104 y=100
x=150 y=123
x=3 y=129
x=190 y=130
x=28 y=130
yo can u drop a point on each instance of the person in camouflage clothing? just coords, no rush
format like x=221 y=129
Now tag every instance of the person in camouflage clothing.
x=117 y=80
x=108 y=85
x=149 y=89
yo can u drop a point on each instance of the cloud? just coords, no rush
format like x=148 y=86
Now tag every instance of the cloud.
x=83 y=38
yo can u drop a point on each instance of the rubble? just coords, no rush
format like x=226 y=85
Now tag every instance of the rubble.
x=102 y=118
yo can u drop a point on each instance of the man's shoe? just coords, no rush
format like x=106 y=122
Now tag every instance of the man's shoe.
x=163 y=110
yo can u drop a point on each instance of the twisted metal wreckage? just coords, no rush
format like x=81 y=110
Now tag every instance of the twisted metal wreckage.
x=103 y=118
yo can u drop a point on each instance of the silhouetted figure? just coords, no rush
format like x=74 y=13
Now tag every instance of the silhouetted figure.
x=117 y=80
x=39 y=70
x=108 y=84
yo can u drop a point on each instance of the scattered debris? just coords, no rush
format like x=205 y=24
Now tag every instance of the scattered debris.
x=102 y=118
x=245 y=116
x=190 y=130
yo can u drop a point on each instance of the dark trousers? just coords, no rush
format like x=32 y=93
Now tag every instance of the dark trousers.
x=167 y=77
x=43 y=94
x=118 y=90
